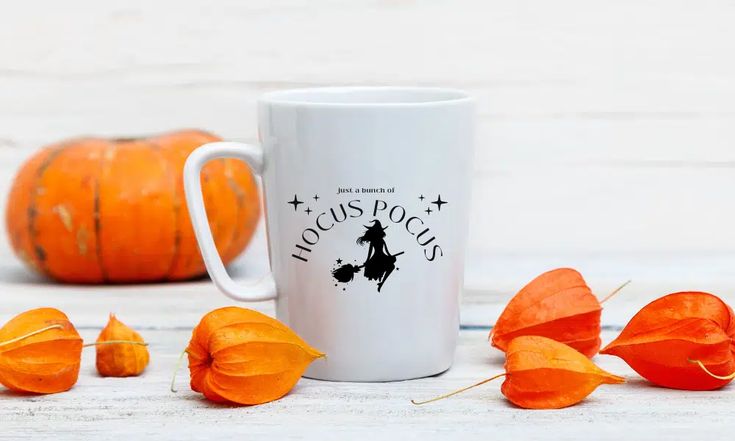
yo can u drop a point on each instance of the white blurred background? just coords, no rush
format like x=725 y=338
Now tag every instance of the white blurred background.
x=606 y=133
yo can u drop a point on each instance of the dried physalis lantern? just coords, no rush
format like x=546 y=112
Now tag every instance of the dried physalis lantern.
x=242 y=356
x=541 y=373
x=40 y=352
x=682 y=341
x=121 y=352
x=557 y=304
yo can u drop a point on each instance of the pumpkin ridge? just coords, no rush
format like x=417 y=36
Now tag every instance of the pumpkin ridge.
x=245 y=214
x=17 y=208
x=177 y=236
x=32 y=212
x=106 y=210
x=156 y=147
x=240 y=198
x=226 y=246
x=96 y=215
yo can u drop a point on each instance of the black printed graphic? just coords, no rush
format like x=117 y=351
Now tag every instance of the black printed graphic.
x=439 y=202
x=411 y=224
x=378 y=265
x=295 y=202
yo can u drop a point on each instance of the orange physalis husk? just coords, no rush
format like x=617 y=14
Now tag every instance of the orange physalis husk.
x=667 y=340
x=121 y=352
x=40 y=352
x=541 y=373
x=242 y=356
x=557 y=304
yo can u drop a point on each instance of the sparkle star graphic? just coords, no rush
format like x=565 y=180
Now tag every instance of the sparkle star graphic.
x=308 y=210
x=439 y=202
x=295 y=202
x=428 y=210
x=339 y=261
x=421 y=198
x=316 y=197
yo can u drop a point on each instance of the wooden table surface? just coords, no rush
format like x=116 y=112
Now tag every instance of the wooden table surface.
x=605 y=142
x=131 y=408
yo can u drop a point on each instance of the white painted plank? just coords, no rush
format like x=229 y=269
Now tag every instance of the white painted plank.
x=505 y=143
x=518 y=42
x=604 y=143
x=605 y=210
x=565 y=211
x=605 y=129
x=181 y=305
x=133 y=408
x=148 y=66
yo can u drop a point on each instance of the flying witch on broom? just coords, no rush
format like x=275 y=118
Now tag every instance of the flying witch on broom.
x=379 y=264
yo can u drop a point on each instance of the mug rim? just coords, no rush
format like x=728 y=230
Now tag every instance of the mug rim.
x=422 y=96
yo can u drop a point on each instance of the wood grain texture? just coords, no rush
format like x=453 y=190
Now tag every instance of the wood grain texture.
x=181 y=305
x=603 y=127
x=143 y=407
x=604 y=142
x=110 y=408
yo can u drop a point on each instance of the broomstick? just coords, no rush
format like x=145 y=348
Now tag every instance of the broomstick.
x=347 y=272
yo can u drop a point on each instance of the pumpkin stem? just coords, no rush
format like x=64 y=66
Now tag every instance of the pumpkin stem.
x=615 y=291
x=115 y=342
x=30 y=334
x=176 y=371
x=707 y=371
x=459 y=391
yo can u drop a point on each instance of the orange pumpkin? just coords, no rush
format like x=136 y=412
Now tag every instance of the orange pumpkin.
x=96 y=210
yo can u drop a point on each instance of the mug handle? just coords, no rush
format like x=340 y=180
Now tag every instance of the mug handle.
x=263 y=289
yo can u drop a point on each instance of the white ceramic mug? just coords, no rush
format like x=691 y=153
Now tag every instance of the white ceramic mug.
x=366 y=193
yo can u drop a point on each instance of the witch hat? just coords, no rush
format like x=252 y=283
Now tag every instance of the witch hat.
x=375 y=226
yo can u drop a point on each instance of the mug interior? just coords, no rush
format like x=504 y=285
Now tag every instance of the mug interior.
x=366 y=96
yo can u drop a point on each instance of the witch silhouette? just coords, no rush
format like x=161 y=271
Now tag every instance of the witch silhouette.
x=379 y=263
